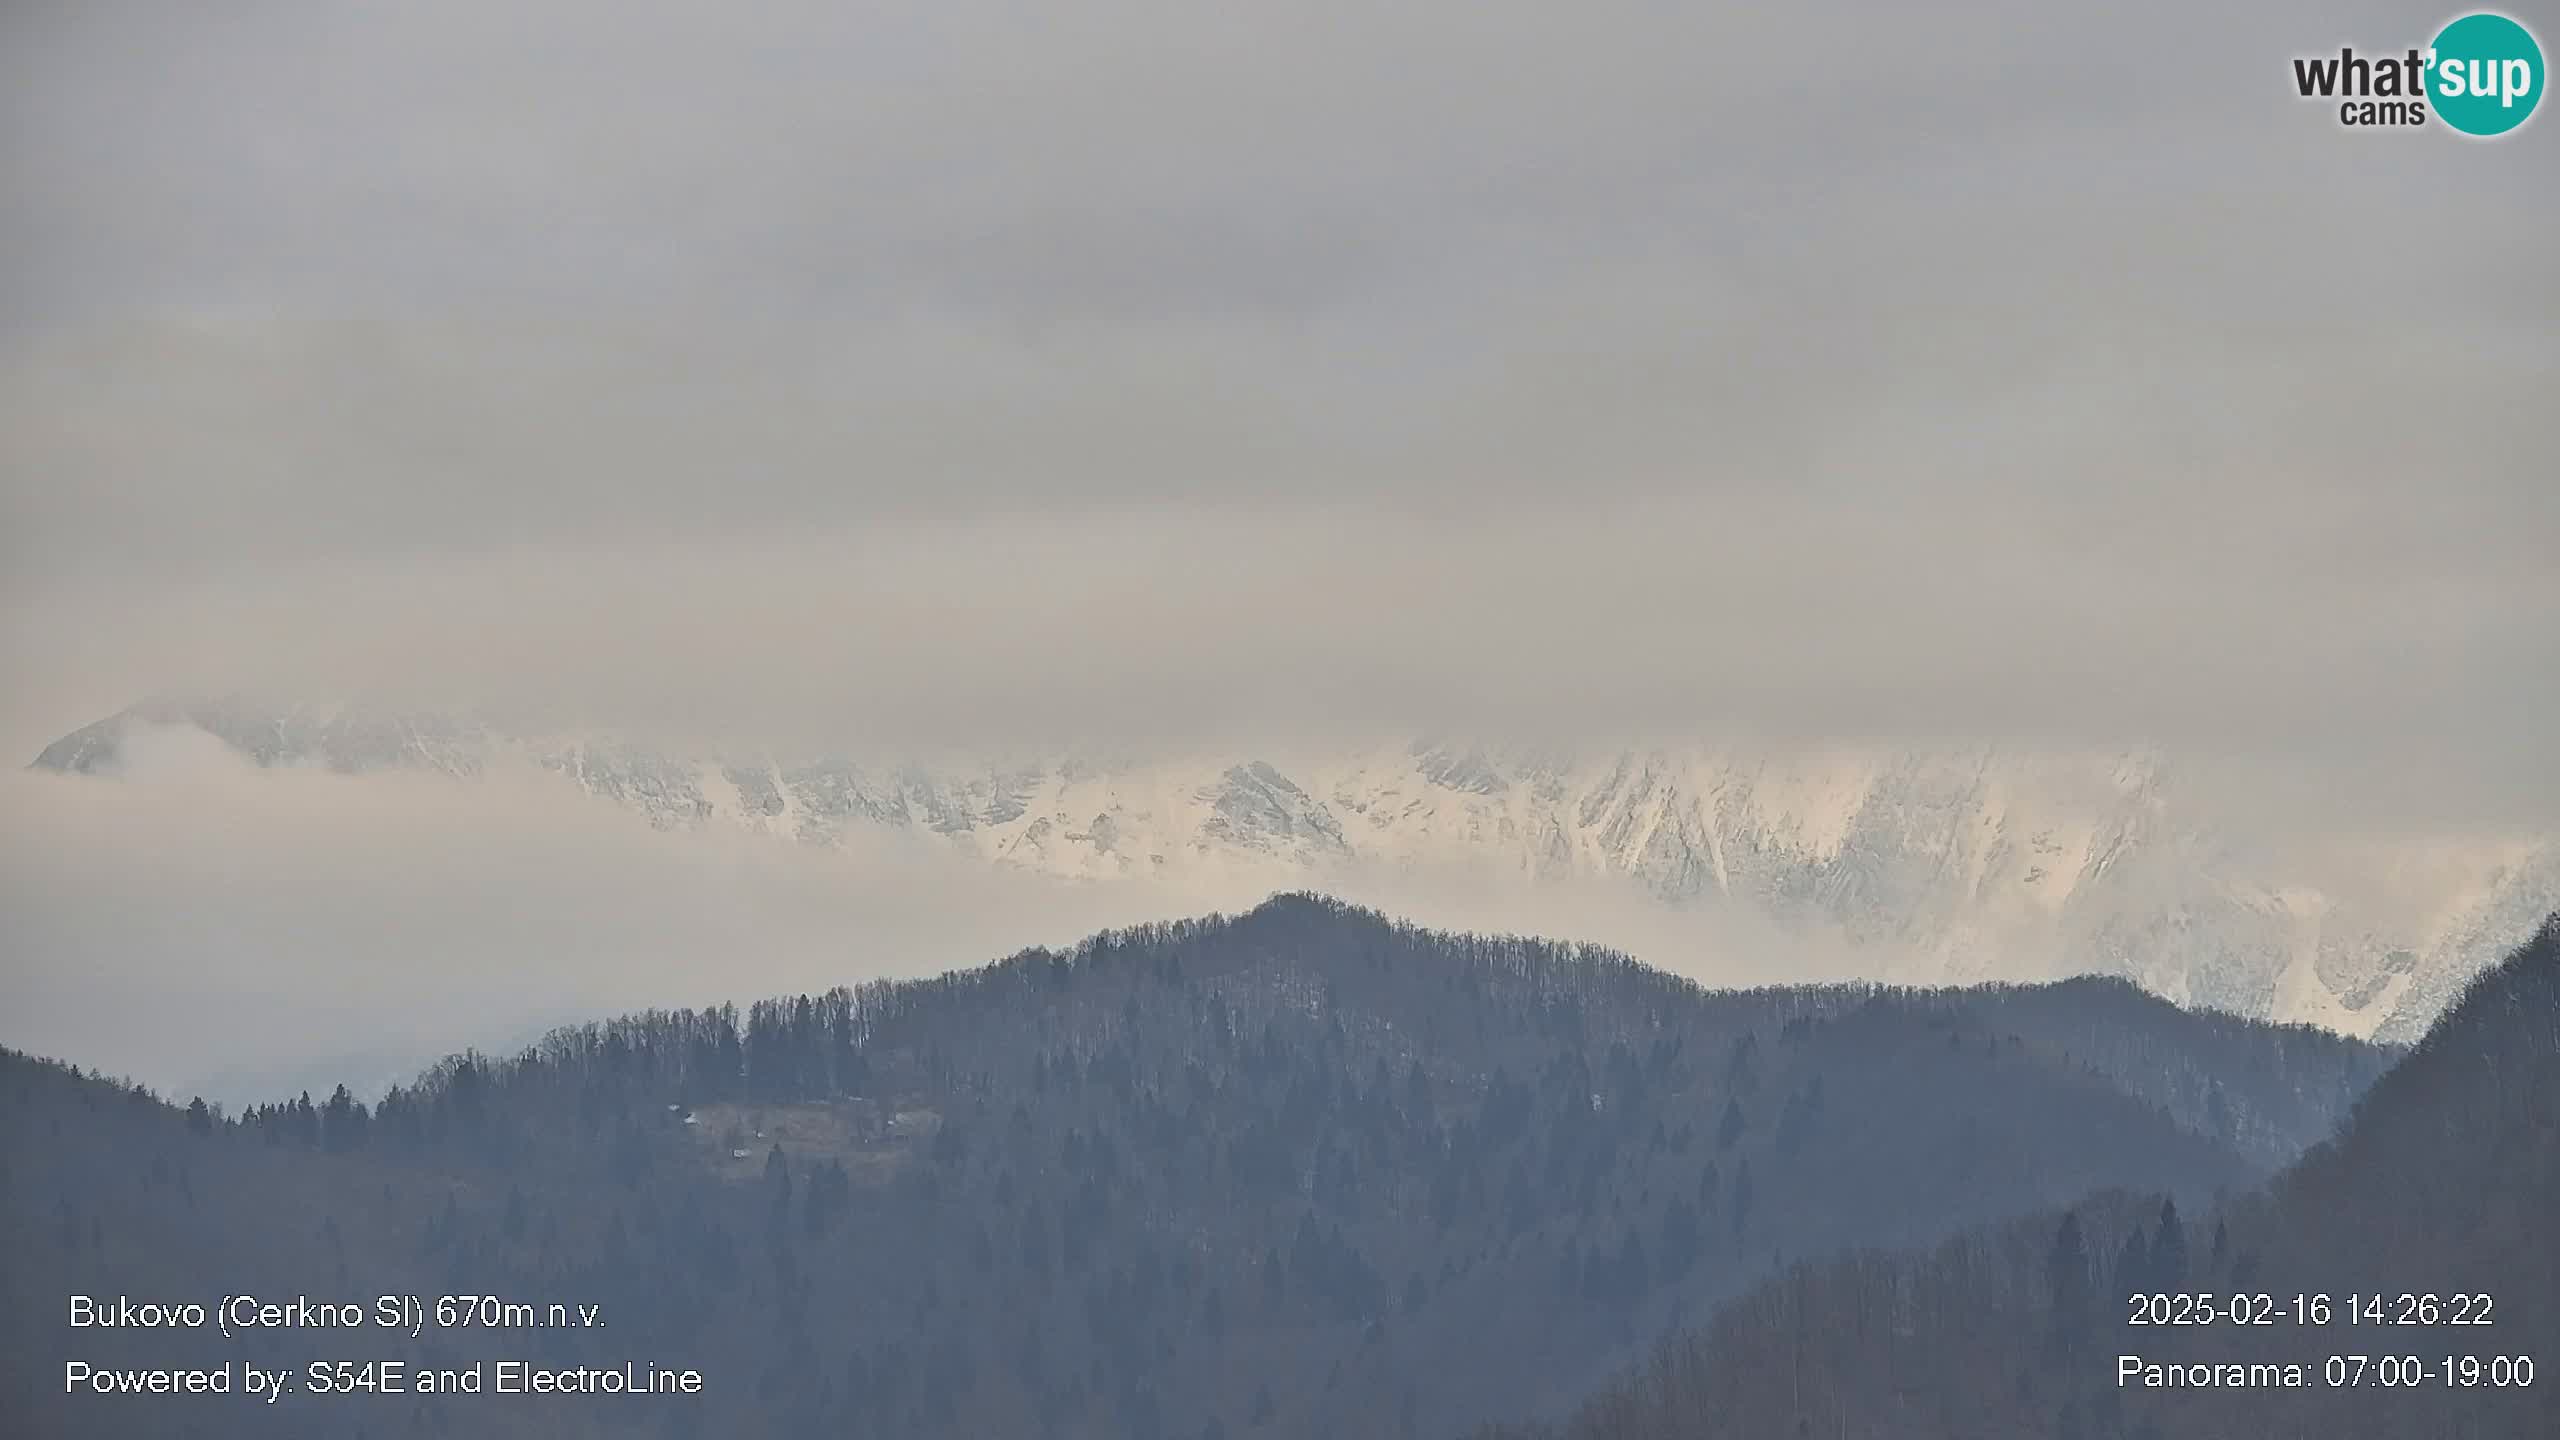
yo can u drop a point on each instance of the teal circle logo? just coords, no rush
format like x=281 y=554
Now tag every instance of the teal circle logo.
x=2484 y=74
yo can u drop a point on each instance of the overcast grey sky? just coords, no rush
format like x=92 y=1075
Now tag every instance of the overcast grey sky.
x=884 y=376
x=1000 y=373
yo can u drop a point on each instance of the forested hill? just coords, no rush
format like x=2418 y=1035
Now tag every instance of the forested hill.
x=2439 y=1203
x=1299 y=1171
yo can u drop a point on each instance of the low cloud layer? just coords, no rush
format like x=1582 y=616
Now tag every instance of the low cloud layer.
x=982 y=376
x=200 y=924
x=204 y=926
x=2422 y=693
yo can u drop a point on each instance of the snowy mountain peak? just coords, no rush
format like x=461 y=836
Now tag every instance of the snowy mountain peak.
x=1986 y=863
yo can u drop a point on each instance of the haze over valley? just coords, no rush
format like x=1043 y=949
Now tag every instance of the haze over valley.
x=1729 y=864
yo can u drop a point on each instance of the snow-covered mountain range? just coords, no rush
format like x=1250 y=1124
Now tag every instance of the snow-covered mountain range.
x=1983 y=863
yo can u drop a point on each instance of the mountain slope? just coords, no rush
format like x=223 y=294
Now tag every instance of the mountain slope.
x=1948 y=865
x=1300 y=1168
x=2435 y=1204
